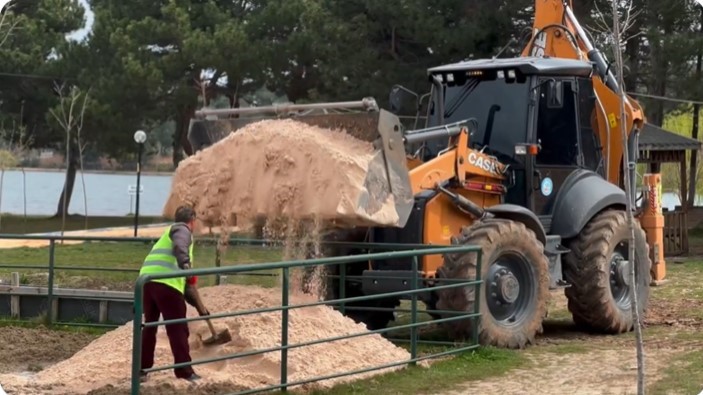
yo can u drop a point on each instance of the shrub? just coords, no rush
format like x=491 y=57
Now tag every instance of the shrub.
x=7 y=159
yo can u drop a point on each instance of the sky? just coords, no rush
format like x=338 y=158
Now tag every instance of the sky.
x=80 y=34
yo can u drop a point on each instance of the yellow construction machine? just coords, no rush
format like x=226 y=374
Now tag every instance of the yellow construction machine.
x=521 y=156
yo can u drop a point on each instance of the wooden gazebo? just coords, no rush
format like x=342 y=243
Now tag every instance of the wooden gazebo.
x=656 y=147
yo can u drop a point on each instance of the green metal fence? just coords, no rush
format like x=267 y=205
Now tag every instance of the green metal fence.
x=55 y=241
x=417 y=287
x=52 y=268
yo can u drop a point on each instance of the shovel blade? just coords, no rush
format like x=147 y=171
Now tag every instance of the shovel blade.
x=220 y=338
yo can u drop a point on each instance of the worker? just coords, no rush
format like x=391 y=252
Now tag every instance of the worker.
x=172 y=252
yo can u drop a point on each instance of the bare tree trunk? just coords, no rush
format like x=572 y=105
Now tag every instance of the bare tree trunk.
x=65 y=199
x=657 y=86
x=632 y=49
x=629 y=209
x=181 y=144
x=2 y=178
x=694 y=130
x=85 y=193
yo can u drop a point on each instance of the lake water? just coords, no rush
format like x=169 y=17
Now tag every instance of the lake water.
x=107 y=194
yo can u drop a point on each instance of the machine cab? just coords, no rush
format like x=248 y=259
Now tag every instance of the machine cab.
x=544 y=102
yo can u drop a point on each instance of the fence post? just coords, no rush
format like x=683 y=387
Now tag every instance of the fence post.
x=15 y=299
x=50 y=291
x=477 y=296
x=137 y=335
x=284 y=330
x=342 y=286
x=218 y=277
x=413 y=313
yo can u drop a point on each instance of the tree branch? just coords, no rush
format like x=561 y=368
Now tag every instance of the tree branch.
x=3 y=23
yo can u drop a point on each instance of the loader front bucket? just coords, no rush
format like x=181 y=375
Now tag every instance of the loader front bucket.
x=387 y=176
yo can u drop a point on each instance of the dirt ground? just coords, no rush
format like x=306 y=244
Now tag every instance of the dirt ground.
x=591 y=364
x=32 y=349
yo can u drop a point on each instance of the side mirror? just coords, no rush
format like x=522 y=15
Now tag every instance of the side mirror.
x=399 y=96
x=555 y=93
x=395 y=99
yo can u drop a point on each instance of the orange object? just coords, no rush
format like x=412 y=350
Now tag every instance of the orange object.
x=557 y=34
x=652 y=221
x=533 y=149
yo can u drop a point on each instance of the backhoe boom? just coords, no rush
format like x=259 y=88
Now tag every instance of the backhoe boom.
x=557 y=33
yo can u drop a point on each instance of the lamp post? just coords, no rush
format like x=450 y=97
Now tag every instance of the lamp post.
x=140 y=139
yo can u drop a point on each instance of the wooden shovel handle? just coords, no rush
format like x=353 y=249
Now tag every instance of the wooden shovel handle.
x=212 y=328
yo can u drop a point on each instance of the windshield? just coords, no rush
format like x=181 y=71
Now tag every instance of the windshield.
x=499 y=106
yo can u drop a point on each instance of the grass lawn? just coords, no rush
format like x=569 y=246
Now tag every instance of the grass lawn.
x=17 y=224
x=121 y=255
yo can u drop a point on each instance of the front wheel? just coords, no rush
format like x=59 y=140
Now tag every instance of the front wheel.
x=515 y=287
x=599 y=273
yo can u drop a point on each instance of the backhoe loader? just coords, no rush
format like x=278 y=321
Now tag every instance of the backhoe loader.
x=520 y=156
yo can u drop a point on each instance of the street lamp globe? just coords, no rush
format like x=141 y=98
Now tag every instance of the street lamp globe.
x=139 y=137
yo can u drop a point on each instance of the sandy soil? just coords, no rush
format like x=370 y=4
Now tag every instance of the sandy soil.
x=127 y=231
x=284 y=168
x=105 y=361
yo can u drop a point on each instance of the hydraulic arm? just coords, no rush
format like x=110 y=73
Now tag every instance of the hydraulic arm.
x=557 y=33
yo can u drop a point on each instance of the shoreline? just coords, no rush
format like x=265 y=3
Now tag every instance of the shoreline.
x=112 y=172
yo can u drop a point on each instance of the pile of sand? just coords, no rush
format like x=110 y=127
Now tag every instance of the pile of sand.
x=281 y=168
x=106 y=361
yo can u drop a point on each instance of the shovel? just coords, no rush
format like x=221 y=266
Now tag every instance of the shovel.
x=217 y=338
x=193 y=298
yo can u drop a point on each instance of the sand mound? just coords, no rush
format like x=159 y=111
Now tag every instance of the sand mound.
x=106 y=361
x=280 y=168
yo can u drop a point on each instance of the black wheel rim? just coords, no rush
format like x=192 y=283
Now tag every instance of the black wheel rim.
x=620 y=276
x=511 y=289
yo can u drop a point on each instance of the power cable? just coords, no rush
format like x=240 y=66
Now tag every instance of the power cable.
x=664 y=98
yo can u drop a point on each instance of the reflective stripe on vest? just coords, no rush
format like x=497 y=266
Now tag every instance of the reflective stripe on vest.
x=162 y=260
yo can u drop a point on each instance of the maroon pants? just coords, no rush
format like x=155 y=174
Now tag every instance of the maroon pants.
x=160 y=299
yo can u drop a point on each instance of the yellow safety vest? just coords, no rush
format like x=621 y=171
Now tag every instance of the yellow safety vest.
x=162 y=260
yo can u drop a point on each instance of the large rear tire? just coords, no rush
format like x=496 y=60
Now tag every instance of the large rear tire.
x=515 y=291
x=599 y=295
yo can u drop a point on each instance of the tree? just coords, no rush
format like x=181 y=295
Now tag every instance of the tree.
x=387 y=43
x=30 y=54
x=69 y=114
x=148 y=60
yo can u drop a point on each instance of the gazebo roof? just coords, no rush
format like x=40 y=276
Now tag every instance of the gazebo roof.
x=654 y=138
